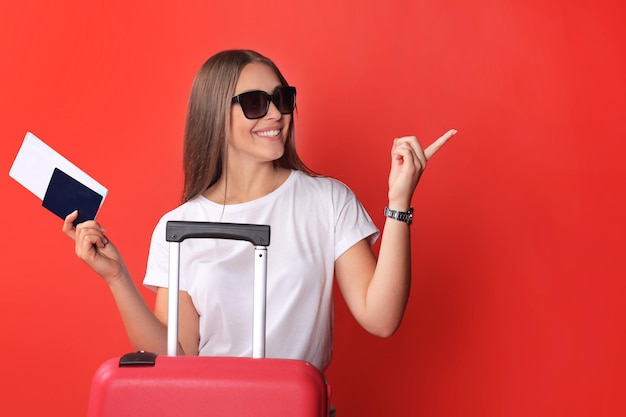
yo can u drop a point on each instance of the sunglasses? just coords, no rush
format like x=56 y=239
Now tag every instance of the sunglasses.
x=256 y=104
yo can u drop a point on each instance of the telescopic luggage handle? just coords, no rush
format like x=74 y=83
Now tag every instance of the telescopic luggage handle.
x=258 y=235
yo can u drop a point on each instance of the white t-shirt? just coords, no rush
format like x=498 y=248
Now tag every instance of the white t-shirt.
x=313 y=221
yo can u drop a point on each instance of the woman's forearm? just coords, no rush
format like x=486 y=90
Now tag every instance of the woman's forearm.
x=144 y=330
x=389 y=288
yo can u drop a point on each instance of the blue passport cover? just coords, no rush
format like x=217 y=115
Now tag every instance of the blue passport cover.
x=66 y=194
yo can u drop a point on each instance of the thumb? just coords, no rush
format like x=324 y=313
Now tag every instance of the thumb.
x=68 y=224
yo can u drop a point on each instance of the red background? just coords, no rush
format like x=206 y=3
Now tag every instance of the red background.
x=516 y=307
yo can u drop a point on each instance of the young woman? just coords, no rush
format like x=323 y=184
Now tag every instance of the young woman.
x=241 y=166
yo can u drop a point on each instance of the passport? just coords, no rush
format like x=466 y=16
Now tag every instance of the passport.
x=61 y=186
x=66 y=194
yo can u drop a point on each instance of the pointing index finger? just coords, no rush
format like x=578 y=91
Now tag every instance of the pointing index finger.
x=436 y=145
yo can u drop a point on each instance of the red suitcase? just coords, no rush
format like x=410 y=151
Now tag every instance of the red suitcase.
x=144 y=384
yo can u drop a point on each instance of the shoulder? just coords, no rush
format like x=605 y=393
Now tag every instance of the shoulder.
x=327 y=194
x=319 y=182
x=189 y=210
x=193 y=209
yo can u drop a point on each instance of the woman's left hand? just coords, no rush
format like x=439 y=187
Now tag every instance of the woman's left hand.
x=408 y=161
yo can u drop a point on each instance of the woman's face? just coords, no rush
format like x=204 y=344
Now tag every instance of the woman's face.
x=257 y=140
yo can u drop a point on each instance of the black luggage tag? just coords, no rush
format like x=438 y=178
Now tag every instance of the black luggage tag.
x=66 y=194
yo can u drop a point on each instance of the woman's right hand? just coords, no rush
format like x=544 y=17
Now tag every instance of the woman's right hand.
x=93 y=247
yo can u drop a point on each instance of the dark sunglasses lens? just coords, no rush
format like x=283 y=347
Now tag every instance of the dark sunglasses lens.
x=254 y=104
x=285 y=99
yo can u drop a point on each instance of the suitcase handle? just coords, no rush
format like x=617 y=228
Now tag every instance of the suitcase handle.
x=257 y=234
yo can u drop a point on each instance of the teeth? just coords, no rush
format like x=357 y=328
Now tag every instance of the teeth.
x=269 y=133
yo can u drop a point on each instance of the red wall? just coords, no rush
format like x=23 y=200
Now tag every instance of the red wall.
x=516 y=307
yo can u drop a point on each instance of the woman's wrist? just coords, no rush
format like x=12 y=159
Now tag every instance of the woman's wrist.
x=120 y=279
x=399 y=215
x=399 y=204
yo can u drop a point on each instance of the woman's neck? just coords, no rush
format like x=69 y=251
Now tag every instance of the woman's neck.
x=241 y=186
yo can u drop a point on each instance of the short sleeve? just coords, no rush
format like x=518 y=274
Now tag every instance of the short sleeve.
x=352 y=222
x=158 y=259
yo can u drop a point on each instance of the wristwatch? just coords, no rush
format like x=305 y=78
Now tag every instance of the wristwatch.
x=403 y=216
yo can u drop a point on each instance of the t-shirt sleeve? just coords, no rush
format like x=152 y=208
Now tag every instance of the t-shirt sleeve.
x=158 y=259
x=352 y=222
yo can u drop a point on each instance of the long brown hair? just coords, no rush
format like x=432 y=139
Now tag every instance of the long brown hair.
x=208 y=116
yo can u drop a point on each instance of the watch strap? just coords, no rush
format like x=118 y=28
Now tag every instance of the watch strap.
x=403 y=216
